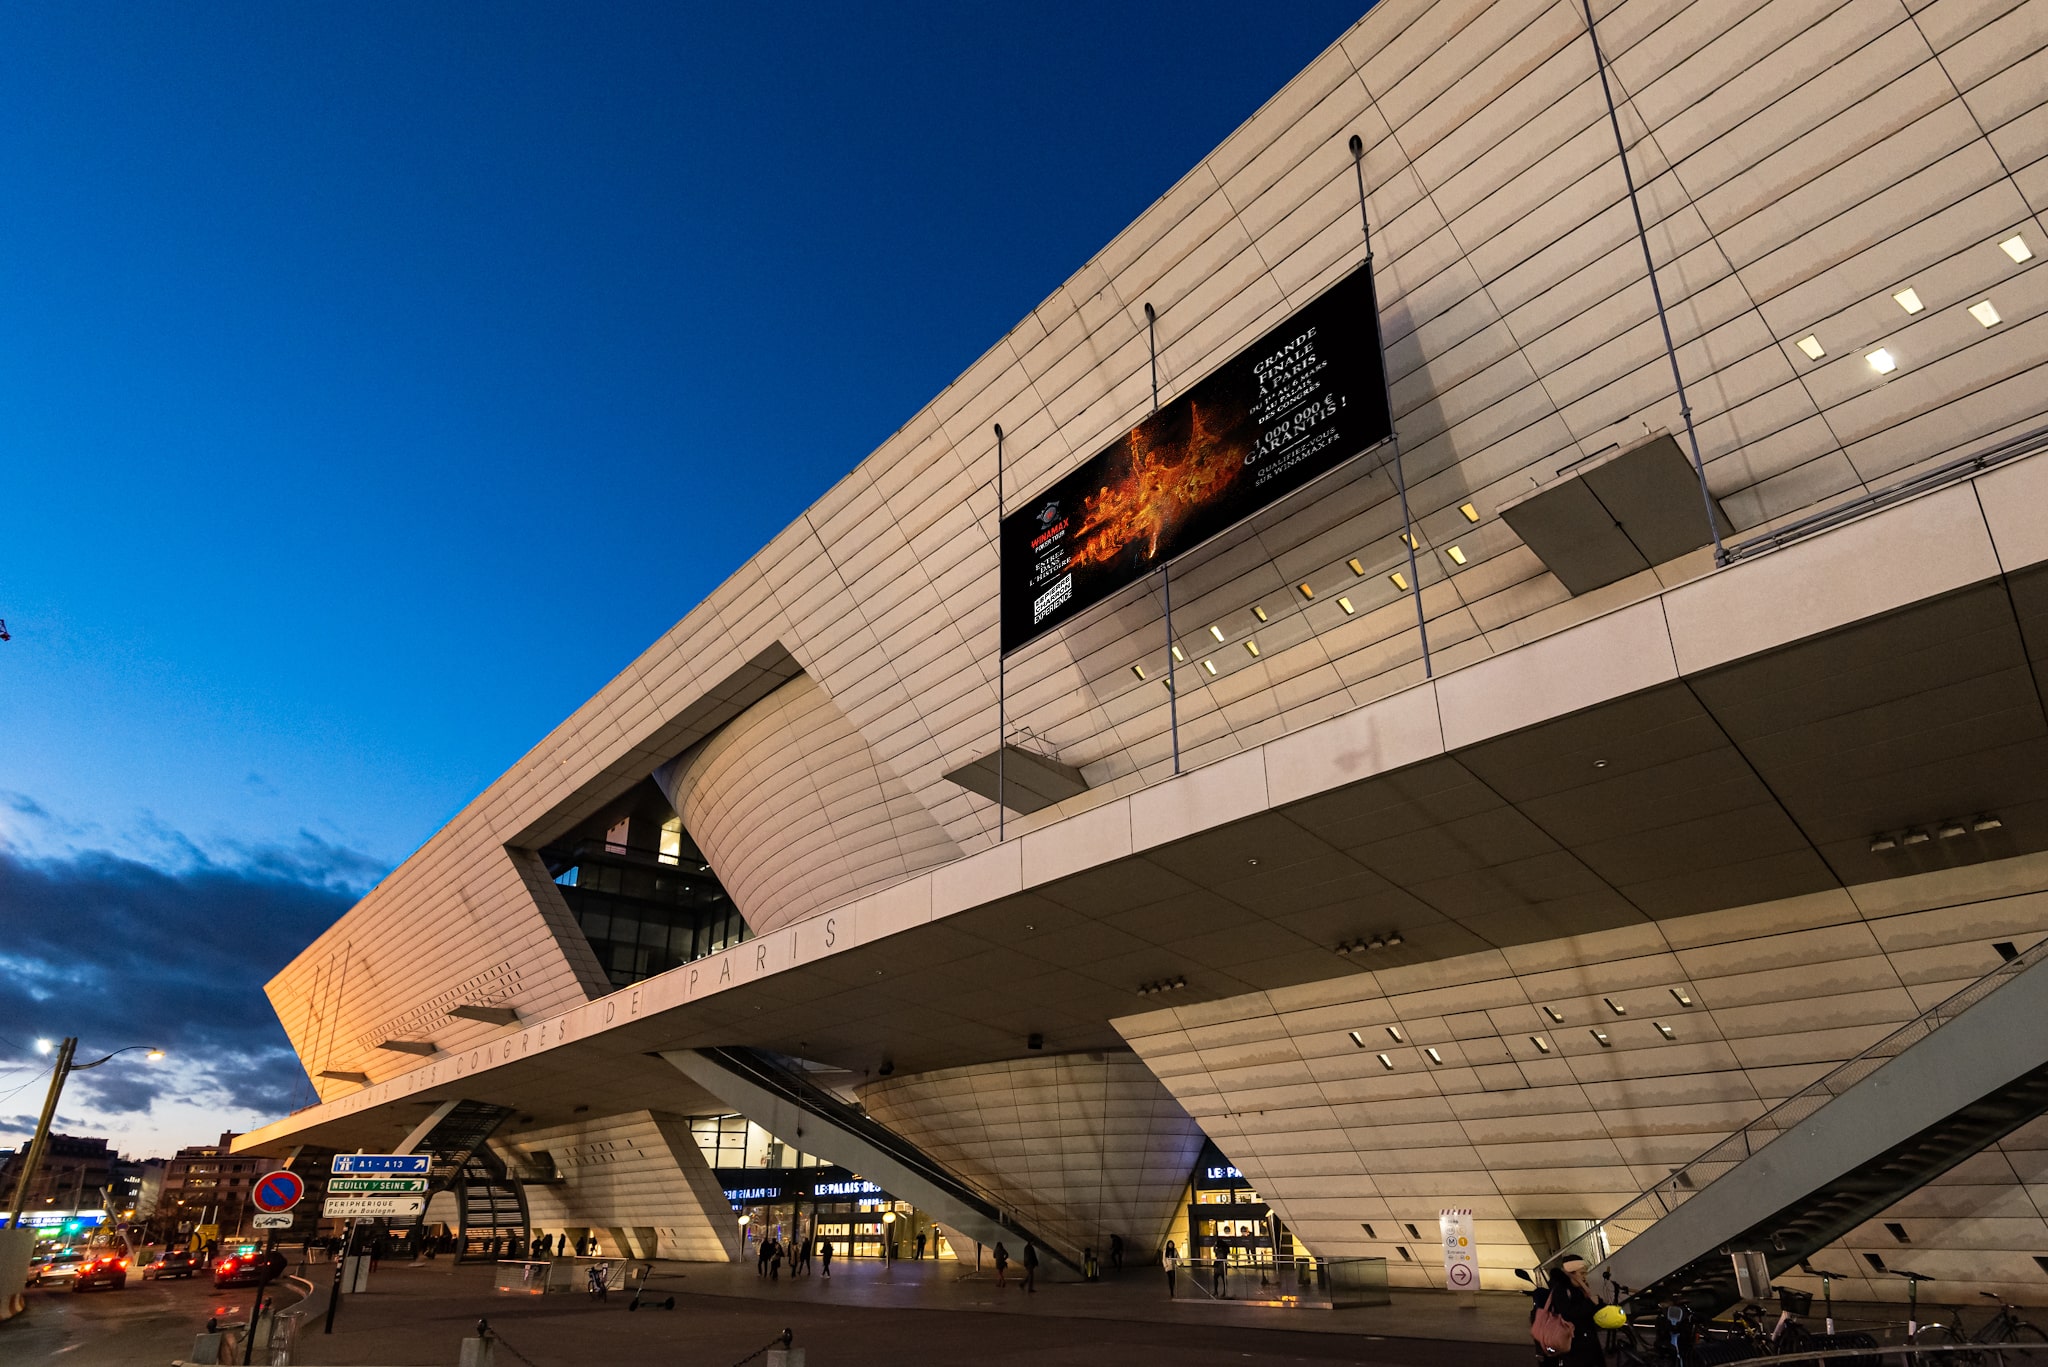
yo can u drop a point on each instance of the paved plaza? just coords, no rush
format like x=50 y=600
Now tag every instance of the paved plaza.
x=417 y=1314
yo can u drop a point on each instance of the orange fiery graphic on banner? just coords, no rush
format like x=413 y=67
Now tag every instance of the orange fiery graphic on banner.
x=1162 y=483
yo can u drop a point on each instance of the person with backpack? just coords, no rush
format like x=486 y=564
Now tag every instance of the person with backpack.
x=1562 y=1321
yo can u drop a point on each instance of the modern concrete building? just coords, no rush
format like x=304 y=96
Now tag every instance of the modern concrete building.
x=1659 y=834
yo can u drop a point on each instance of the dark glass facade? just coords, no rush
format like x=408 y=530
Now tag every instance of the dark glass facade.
x=645 y=911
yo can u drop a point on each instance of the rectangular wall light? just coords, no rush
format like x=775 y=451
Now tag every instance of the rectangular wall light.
x=1356 y=1038
x=1984 y=313
x=1356 y=568
x=1179 y=656
x=1345 y=603
x=1400 y=580
x=1305 y=590
x=1386 y=1063
x=1217 y=632
x=1138 y=670
x=1881 y=361
x=2016 y=247
x=1908 y=300
x=1666 y=1031
x=1810 y=344
x=1253 y=647
x=1209 y=665
x=1258 y=612
x=1434 y=1056
x=1471 y=513
x=1457 y=556
x=1542 y=1045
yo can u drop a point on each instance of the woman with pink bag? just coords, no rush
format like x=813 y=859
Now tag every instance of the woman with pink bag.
x=1562 y=1322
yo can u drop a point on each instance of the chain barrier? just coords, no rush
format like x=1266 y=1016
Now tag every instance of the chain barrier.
x=781 y=1340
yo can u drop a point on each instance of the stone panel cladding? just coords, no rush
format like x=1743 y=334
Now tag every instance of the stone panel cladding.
x=639 y=1181
x=1359 y=1152
x=794 y=811
x=1082 y=1146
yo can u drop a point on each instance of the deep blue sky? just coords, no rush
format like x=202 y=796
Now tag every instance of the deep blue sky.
x=377 y=380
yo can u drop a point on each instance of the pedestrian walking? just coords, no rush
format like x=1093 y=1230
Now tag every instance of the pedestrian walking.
x=761 y=1259
x=1116 y=1252
x=825 y=1257
x=1216 y=1287
x=919 y=1255
x=775 y=1260
x=1170 y=1260
x=1030 y=1266
x=1002 y=1264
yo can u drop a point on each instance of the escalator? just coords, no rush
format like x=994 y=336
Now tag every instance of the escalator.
x=776 y=1095
x=1840 y=1152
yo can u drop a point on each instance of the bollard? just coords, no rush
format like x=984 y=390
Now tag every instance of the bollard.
x=207 y=1347
x=482 y=1350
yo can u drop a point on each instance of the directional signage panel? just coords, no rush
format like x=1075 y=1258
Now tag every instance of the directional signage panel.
x=371 y=1207
x=381 y=1162
x=337 y=1186
x=277 y=1191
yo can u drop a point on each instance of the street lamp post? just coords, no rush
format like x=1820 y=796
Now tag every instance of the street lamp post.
x=64 y=1068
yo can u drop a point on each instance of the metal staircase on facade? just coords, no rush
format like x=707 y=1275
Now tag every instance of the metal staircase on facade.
x=489 y=1201
x=1842 y=1150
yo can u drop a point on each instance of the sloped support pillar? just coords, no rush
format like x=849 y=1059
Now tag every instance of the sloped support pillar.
x=640 y=1172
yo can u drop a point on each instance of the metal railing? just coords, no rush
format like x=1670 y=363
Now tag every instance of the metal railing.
x=1660 y=1200
x=1924 y=1355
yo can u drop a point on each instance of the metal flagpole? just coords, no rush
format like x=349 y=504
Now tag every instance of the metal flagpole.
x=1002 y=659
x=1656 y=292
x=1166 y=570
x=1393 y=434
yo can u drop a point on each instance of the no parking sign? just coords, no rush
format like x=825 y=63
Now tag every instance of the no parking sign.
x=276 y=1192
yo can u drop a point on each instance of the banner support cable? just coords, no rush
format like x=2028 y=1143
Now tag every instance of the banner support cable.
x=1393 y=432
x=1656 y=291
x=1002 y=659
x=1166 y=569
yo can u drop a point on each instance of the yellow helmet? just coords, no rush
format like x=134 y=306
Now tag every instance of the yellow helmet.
x=1610 y=1317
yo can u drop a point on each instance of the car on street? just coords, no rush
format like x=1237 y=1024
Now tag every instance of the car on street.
x=175 y=1264
x=240 y=1269
x=108 y=1269
x=55 y=1270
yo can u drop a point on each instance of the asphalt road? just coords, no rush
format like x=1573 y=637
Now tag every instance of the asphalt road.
x=145 y=1324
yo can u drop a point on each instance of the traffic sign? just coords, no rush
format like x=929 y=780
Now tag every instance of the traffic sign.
x=380 y=1162
x=277 y=1191
x=361 y=1185
x=371 y=1207
x=274 y=1220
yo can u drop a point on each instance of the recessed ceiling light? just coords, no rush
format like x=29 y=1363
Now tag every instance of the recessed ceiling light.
x=1810 y=344
x=1216 y=631
x=2016 y=247
x=1178 y=656
x=1542 y=1045
x=1880 y=844
x=1356 y=1038
x=1209 y=665
x=1386 y=1063
x=1345 y=603
x=1457 y=556
x=1951 y=830
x=1471 y=513
x=1666 y=1031
x=1985 y=313
x=1253 y=647
x=1908 y=300
x=1617 y=1010
x=1400 y=582
x=1356 y=568
x=1554 y=1014
x=1680 y=995
x=1881 y=361
x=1986 y=823
x=1434 y=1056
x=1138 y=670
x=1259 y=612
x=1915 y=838
x=1394 y=1033
x=1410 y=542
x=1305 y=590
x=1605 y=1043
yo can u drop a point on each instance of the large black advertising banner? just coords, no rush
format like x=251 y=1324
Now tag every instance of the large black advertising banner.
x=1297 y=403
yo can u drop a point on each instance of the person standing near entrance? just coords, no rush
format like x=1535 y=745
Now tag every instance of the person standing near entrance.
x=1002 y=1256
x=825 y=1257
x=1030 y=1266
x=1170 y=1260
x=919 y=1255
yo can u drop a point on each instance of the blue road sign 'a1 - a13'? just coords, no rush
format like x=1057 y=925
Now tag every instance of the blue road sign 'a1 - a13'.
x=380 y=1162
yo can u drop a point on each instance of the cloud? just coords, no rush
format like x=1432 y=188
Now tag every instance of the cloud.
x=172 y=953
